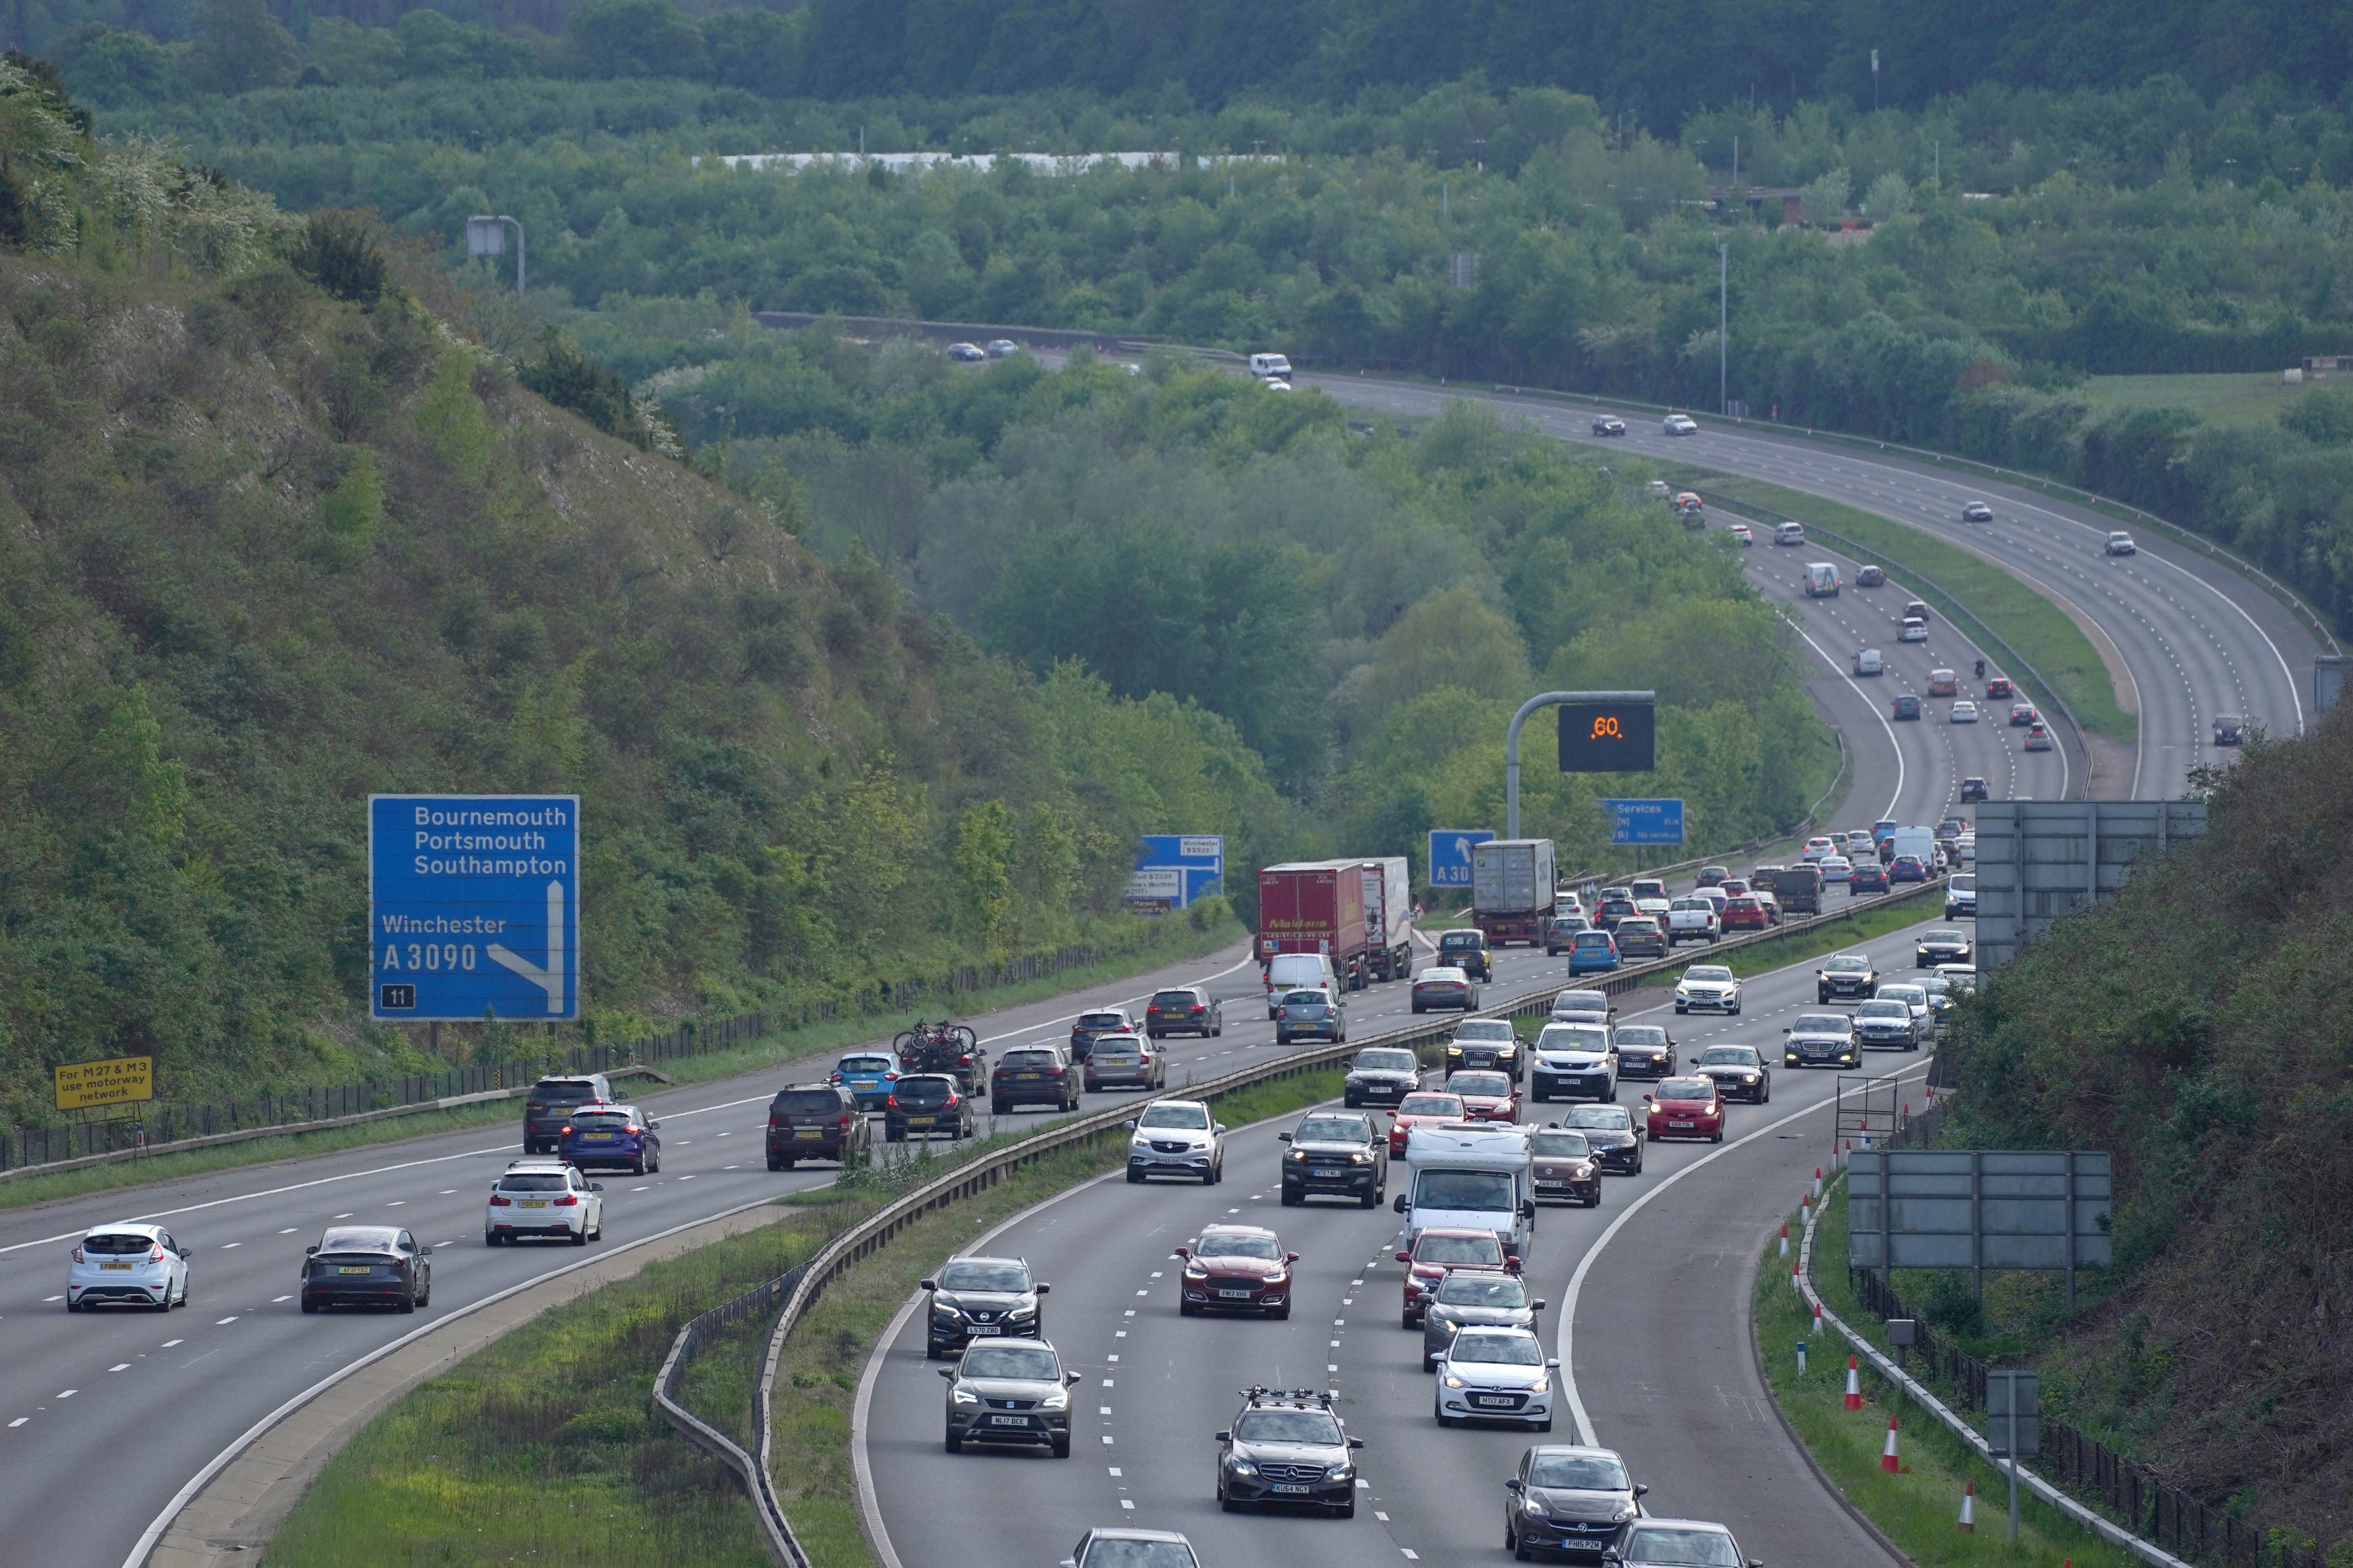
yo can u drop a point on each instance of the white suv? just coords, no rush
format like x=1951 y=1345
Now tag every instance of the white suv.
x=544 y=1197
x=1176 y=1138
x=140 y=1265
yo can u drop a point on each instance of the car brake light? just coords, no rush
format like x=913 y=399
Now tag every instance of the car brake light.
x=76 y=1255
x=567 y=1201
x=633 y=1131
x=845 y=1119
x=892 y=1103
x=833 y=1078
x=155 y=1253
x=498 y=1203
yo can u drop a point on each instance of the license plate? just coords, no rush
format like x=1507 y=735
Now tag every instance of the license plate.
x=596 y=1137
x=981 y=1330
x=1027 y=1076
x=350 y=1268
x=1292 y=1489
x=1491 y=1399
x=1552 y=1186
x=1008 y=1421
x=1673 y=1123
x=1234 y=1295
x=921 y=1121
x=808 y=1132
x=108 y=1267
x=1327 y=1171
x=532 y=1203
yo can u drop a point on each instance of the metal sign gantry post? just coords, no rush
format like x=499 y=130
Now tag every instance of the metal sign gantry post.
x=1512 y=740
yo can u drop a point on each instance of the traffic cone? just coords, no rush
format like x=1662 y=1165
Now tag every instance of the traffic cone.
x=1818 y=1320
x=1969 y=1524
x=1853 y=1386
x=1785 y=1239
x=1818 y=1181
x=1887 y=1459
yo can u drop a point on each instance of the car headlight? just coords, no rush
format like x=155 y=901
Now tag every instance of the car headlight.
x=1057 y=1401
x=1339 y=1472
x=1360 y=1158
x=1534 y=1508
x=1623 y=1514
x=1454 y=1382
x=1244 y=1467
x=1139 y=1145
x=967 y=1396
x=1298 y=1155
x=1191 y=1273
x=1748 y=1078
x=1542 y=1386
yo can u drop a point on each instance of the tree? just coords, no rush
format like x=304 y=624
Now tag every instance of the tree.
x=338 y=254
x=240 y=46
x=119 y=69
x=1890 y=196
x=982 y=870
x=638 y=37
x=756 y=50
x=1825 y=197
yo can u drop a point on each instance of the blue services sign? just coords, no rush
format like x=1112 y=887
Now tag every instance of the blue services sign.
x=1450 y=855
x=1645 y=821
x=1173 y=869
x=474 y=907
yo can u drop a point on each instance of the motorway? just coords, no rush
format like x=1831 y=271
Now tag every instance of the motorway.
x=1650 y=1310
x=2195 y=638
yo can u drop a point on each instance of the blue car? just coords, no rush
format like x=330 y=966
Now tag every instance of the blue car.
x=869 y=1075
x=1592 y=952
x=602 y=1133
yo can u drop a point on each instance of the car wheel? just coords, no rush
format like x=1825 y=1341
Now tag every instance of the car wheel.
x=1188 y=1309
x=1061 y=1447
x=1680 y=1009
x=1544 y=1424
x=954 y=1444
x=1733 y=1011
x=1218 y=1031
x=1000 y=1108
x=1512 y=1544
x=1718 y=1138
x=655 y=1169
x=932 y=1351
x=1227 y=1503
x=1440 y=1411
x=490 y=1238
x=408 y=1302
x=1281 y=1314
x=1372 y=1200
x=1291 y=1198
x=308 y=1304
x=1417 y=1006
x=1407 y=1321
x=580 y=1236
x=1136 y=1178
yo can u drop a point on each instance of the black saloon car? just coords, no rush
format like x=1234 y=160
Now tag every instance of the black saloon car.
x=368 y=1266
x=1382 y=1075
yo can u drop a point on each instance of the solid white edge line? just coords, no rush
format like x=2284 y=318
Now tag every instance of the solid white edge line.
x=1873 y=704
x=1585 y=1433
x=220 y=1461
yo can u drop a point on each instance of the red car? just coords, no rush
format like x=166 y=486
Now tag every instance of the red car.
x=1438 y=1252
x=1236 y=1269
x=1485 y=1095
x=1422 y=1106
x=1686 y=1108
x=1745 y=913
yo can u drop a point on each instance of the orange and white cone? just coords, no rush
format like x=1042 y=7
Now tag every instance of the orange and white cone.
x=1969 y=1524
x=1785 y=1239
x=1887 y=1457
x=1818 y=1181
x=1853 y=1386
x=1797 y=1280
x=1818 y=1320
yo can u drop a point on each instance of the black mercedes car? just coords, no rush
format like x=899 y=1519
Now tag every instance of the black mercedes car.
x=1382 y=1075
x=368 y=1266
x=1849 y=974
x=1610 y=1133
x=1288 y=1447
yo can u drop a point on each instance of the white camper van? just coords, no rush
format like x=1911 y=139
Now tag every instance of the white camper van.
x=1472 y=1176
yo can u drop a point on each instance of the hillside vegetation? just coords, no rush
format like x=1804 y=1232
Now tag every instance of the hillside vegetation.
x=2197 y=1028
x=273 y=537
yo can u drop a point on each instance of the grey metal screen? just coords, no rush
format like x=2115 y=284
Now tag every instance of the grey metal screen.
x=1977 y=1209
x=2037 y=861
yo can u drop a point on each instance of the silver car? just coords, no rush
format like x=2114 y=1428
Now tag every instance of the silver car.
x=1886 y=1021
x=1474 y=1298
x=1577 y=1502
x=1119 y=1547
x=127 y=1265
x=1176 y=1138
x=1581 y=1007
x=1010 y=1391
x=1681 y=1543
x=1916 y=998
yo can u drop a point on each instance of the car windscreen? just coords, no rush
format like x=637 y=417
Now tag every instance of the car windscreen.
x=1501 y=1349
x=1288 y=1426
x=1333 y=1129
x=1012 y=1362
x=1911 y=993
x=534 y=1182
x=1578 y=1472
x=865 y=1064
x=1103 y=1020
x=1591 y=942
x=1688 y=904
x=560 y=1091
x=1140 y=1554
x=1820 y=1023
x=1192 y=1117
x=1687 y=1089
x=1887 y=1008
x=1487 y=1190
x=1174 y=999
x=1264 y=1248
x=120 y=1244
x=1601 y=1118
x=1560 y=1146
x=1496 y=1029
x=1642 y=1034
x=1467 y=1288
x=1667 y=1545
x=1966 y=883
x=1588 y=1001
x=1028 y=1061
x=1848 y=966
x=1946 y=939
x=1385 y=1062
x=1460 y=1249
x=984 y=1274
x=1573 y=1038
x=1440 y=977
x=1640 y=926
x=1429 y=1105
x=600 y=1121
x=1307 y=999
x=1493 y=1085
x=1457 y=941
x=809 y=1102
x=924 y=1090
x=1728 y=1056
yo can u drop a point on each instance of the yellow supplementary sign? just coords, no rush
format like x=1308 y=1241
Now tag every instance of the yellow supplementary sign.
x=117 y=1080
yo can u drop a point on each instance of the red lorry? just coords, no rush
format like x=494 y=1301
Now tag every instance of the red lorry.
x=1316 y=907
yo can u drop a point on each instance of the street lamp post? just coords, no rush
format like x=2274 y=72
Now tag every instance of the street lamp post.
x=1723 y=326
x=488 y=236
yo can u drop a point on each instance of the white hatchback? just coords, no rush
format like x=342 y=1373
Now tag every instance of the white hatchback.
x=129 y=1265
x=1494 y=1373
x=544 y=1197
x=1965 y=711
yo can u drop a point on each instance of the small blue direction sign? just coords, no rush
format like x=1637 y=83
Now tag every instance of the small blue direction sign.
x=1645 y=821
x=474 y=907
x=1173 y=870
x=1450 y=855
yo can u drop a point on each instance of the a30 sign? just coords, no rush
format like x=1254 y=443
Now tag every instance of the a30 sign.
x=1608 y=737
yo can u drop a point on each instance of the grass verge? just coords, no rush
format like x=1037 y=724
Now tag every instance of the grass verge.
x=545 y=1444
x=817 y=1381
x=771 y=1050
x=2039 y=629
x=1917 y=1506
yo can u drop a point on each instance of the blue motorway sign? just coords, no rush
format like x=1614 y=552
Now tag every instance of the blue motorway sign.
x=1645 y=821
x=474 y=907
x=1450 y=855
x=1173 y=869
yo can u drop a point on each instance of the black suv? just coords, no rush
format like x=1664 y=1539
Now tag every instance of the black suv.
x=1034 y=1075
x=816 y=1121
x=1973 y=788
x=1288 y=1446
x=1339 y=1154
x=923 y=1103
x=1937 y=947
x=547 y=1110
x=982 y=1298
x=1466 y=950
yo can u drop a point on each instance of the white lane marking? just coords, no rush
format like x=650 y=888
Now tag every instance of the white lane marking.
x=230 y=1318
x=68 y=1394
x=275 y=1299
x=1114 y=1468
x=1869 y=702
x=167 y=1344
x=289 y=1230
x=119 y=1366
x=397 y=1202
x=20 y=1421
x=1567 y=1308
x=444 y=1191
x=1126 y=1502
x=343 y=1216
x=227 y=1245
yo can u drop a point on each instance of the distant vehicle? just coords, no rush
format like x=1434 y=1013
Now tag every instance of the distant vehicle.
x=966 y=354
x=366 y=1266
x=1821 y=579
x=1820 y=1039
x=1908 y=869
x=1868 y=877
x=1474 y=1298
x=1847 y=974
x=976 y=1297
x=1915 y=630
x=1382 y=1073
x=1692 y=918
x=1289 y=972
x=1485 y=1097
x=1317 y=1015
x=1608 y=424
x=2121 y=544
x=1913 y=610
x=1044 y=1075
x=1574 y=1061
x=1511 y=886
x=1710 y=985
x=1743 y=535
x=1581 y=1007
x=1449 y=988
x=1973 y=788
x=1124 y=1548
x=2038 y=739
x=547 y=1110
x=1965 y=711
x=1288 y=1448
x=2023 y=715
x=1790 y=533
x=542 y=1197
x=1422 y=1105
x=1943 y=683
x=1656 y=1542
x=1798 y=889
x=137 y=1264
x=1680 y=425
x=1269 y=367
x=1495 y=1375
x=1024 y=1376
x=1236 y=1269
x=1977 y=512
x=2229 y=730
x=1003 y=348
x=1686 y=1108
x=921 y=1104
x=1998 y=687
x=1560 y=931
x=1592 y=952
x=1484 y=1043
x=1104 y=1021
x=1273 y=385
x=1641 y=937
x=1738 y=1071
x=1816 y=848
x=1746 y=912
x=1176 y=1138
x=1658 y=488
x=1128 y=1061
x=1712 y=876
x=618 y=1135
x=867 y=1075
x=1869 y=661
x=1466 y=949
x=1888 y=1022
x=1571 y=1500
x=1184 y=1010
x=1943 y=946
x=1869 y=577
x=1836 y=868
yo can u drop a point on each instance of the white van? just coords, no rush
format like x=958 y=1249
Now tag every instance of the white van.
x=1289 y=972
x=1269 y=367
x=1821 y=579
x=1867 y=661
x=1479 y=1177
x=1790 y=533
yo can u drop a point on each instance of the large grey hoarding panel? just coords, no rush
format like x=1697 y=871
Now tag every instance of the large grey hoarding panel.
x=1965 y=1208
x=2037 y=861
